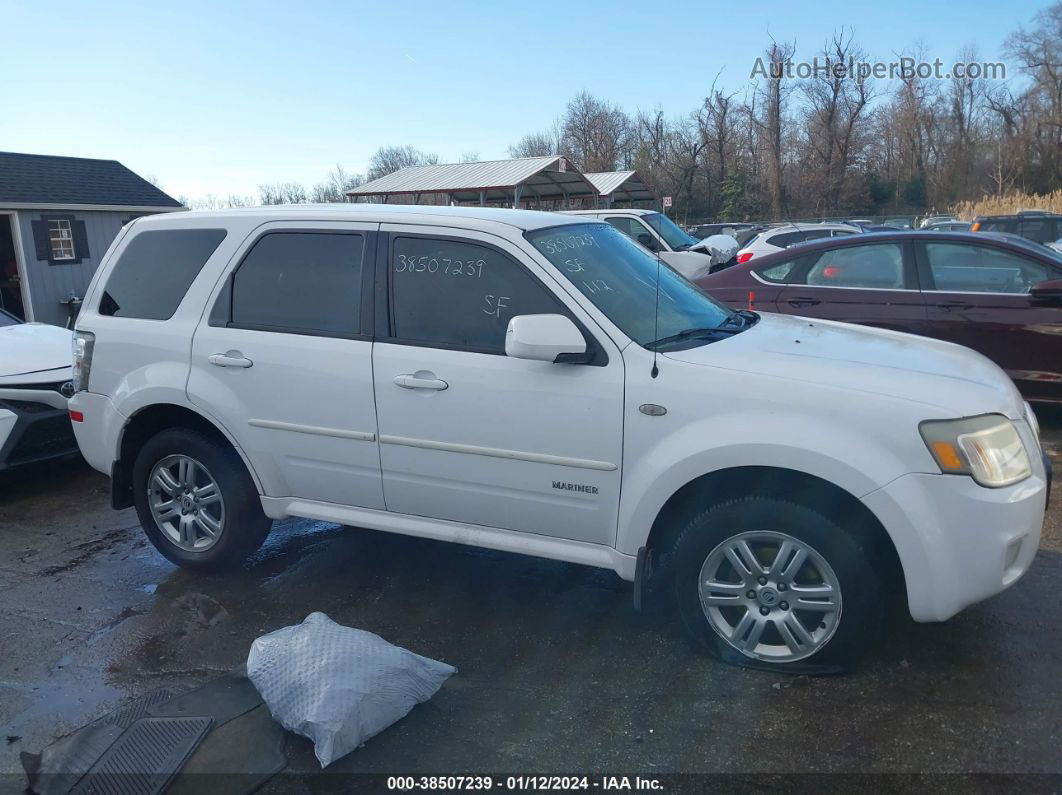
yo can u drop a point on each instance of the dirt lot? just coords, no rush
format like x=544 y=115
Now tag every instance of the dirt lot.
x=557 y=673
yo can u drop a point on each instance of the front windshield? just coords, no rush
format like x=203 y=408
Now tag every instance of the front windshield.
x=672 y=233
x=619 y=277
x=8 y=320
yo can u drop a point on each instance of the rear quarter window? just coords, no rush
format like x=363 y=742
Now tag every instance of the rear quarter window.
x=784 y=240
x=155 y=270
x=777 y=273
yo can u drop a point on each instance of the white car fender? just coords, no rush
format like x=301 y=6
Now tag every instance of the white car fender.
x=853 y=462
x=129 y=402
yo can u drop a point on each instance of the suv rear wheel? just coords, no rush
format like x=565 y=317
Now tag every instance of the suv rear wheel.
x=776 y=582
x=196 y=501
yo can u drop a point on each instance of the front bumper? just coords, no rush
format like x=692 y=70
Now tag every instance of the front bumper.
x=34 y=426
x=959 y=542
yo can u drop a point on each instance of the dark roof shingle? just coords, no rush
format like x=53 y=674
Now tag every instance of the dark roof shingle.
x=51 y=179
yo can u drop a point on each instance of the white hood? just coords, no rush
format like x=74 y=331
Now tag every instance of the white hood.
x=35 y=348
x=950 y=377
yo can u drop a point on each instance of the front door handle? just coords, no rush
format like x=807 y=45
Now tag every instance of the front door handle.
x=958 y=305
x=803 y=301
x=229 y=359
x=420 y=380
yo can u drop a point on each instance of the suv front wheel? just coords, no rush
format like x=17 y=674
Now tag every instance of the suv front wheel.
x=196 y=501
x=775 y=582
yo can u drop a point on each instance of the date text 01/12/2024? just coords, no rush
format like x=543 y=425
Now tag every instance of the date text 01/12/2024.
x=523 y=783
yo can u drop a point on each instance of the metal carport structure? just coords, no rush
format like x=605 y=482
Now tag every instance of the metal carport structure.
x=620 y=186
x=534 y=180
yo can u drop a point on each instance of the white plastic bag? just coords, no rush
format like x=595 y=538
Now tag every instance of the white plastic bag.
x=339 y=686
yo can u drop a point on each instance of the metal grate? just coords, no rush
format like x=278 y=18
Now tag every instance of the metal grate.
x=145 y=758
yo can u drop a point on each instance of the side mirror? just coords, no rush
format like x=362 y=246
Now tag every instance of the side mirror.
x=1049 y=292
x=647 y=240
x=544 y=338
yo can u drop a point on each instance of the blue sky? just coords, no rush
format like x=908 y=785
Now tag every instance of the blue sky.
x=221 y=97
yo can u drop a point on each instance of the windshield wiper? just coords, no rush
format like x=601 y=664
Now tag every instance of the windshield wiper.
x=746 y=316
x=694 y=333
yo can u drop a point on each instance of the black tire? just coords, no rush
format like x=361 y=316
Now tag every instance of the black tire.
x=860 y=615
x=245 y=526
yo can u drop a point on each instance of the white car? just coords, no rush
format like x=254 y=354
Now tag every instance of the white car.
x=521 y=381
x=691 y=257
x=34 y=386
x=783 y=236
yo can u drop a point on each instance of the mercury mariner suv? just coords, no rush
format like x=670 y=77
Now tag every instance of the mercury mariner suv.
x=540 y=383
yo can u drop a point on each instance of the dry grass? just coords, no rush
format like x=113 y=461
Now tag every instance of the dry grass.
x=1008 y=204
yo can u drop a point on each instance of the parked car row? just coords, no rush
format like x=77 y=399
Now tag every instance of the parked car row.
x=690 y=256
x=1040 y=226
x=998 y=294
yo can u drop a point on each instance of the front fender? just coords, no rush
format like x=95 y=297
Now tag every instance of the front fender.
x=854 y=462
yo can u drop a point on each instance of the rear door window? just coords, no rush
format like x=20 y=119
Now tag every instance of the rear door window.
x=155 y=270
x=456 y=294
x=300 y=283
x=877 y=266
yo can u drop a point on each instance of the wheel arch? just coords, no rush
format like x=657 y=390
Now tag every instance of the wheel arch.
x=150 y=420
x=789 y=484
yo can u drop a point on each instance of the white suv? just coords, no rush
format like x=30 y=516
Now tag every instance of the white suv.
x=781 y=237
x=501 y=378
x=691 y=257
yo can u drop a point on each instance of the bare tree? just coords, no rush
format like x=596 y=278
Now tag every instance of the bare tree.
x=774 y=97
x=335 y=186
x=212 y=201
x=282 y=193
x=389 y=159
x=1038 y=50
x=835 y=104
x=595 y=134
x=542 y=144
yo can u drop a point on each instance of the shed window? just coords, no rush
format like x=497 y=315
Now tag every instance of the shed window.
x=61 y=238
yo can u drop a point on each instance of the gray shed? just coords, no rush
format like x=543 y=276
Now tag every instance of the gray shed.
x=530 y=182
x=620 y=187
x=58 y=216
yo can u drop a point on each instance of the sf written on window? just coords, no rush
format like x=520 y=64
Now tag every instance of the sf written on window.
x=452 y=294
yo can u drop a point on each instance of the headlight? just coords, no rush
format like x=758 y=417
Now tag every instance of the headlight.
x=987 y=448
x=83 y=344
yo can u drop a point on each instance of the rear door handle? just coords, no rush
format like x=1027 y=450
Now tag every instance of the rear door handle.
x=803 y=301
x=420 y=380
x=229 y=359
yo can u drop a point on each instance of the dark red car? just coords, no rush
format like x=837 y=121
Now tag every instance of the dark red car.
x=998 y=294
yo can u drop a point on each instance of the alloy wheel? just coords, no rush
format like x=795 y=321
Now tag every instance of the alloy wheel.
x=186 y=503
x=770 y=596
